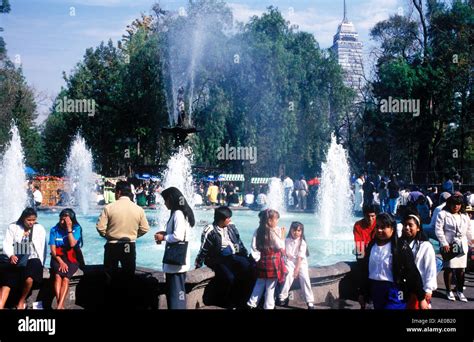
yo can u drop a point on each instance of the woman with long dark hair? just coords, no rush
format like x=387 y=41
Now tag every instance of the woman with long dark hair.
x=24 y=243
x=453 y=226
x=65 y=241
x=423 y=253
x=177 y=230
x=389 y=274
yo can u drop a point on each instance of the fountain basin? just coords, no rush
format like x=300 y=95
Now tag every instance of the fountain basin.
x=324 y=250
x=87 y=289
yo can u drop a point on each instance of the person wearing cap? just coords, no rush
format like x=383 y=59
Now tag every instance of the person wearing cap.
x=453 y=225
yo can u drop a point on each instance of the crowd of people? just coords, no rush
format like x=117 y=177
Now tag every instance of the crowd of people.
x=299 y=194
x=397 y=266
x=244 y=277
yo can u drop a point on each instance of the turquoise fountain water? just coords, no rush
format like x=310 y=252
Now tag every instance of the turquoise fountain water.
x=323 y=250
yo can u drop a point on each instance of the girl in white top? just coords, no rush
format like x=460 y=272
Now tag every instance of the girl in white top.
x=452 y=225
x=297 y=264
x=16 y=242
x=424 y=254
x=177 y=229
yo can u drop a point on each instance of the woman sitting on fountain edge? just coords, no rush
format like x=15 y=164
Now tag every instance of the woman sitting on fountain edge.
x=24 y=239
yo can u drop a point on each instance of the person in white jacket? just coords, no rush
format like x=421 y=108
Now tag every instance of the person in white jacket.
x=423 y=251
x=24 y=237
x=178 y=229
x=453 y=225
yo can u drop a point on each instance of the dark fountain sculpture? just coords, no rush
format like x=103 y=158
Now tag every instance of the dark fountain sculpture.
x=184 y=127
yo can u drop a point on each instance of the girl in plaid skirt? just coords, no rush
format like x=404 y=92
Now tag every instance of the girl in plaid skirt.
x=268 y=245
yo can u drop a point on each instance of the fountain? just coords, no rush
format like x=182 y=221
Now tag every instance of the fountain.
x=184 y=127
x=178 y=174
x=276 y=195
x=79 y=174
x=13 y=194
x=334 y=195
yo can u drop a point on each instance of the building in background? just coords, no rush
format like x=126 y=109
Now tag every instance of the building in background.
x=348 y=50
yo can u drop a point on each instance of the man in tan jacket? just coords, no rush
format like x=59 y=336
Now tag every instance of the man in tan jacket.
x=121 y=223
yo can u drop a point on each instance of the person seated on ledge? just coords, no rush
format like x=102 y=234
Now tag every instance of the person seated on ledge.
x=233 y=199
x=24 y=252
x=223 y=251
x=65 y=240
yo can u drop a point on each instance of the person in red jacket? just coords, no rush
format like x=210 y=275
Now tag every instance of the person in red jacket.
x=364 y=230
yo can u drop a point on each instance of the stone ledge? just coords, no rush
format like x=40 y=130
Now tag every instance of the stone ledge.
x=88 y=286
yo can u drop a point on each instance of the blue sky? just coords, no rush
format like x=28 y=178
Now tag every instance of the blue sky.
x=47 y=40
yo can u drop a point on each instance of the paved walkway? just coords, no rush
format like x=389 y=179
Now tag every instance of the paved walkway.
x=439 y=300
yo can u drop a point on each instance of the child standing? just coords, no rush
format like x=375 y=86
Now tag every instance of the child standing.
x=268 y=245
x=297 y=264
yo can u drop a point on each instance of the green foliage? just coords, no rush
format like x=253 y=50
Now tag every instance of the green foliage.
x=126 y=85
x=440 y=77
x=17 y=104
x=266 y=86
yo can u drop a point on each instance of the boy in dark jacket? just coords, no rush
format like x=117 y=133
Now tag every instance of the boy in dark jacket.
x=223 y=251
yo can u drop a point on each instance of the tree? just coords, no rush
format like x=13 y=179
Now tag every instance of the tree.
x=431 y=65
x=17 y=104
x=4 y=8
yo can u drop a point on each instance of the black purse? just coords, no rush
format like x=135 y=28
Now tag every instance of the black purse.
x=175 y=253
x=455 y=249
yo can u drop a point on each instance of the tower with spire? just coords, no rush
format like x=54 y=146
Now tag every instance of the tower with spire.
x=348 y=50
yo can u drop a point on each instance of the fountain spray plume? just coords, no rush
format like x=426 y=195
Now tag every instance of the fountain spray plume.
x=79 y=174
x=192 y=46
x=276 y=195
x=334 y=195
x=178 y=174
x=13 y=183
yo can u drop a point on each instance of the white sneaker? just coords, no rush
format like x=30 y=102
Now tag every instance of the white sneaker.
x=450 y=296
x=462 y=297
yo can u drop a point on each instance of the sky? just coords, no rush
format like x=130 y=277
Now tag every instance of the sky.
x=47 y=37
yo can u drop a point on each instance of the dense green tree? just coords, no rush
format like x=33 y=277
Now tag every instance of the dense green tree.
x=432 y=65
x=17 y=104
